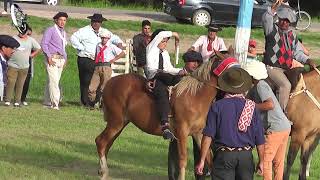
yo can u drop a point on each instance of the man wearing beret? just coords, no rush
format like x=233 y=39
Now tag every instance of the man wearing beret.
x=233 y=129
x=85 y=40
x=281 y=47
x=208 y=44
x=53 y=44
x=7 y=47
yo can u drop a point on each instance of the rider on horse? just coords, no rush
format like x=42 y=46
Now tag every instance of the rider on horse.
x=161 y=74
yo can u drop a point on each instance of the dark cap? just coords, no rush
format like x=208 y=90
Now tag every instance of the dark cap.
x=60 y=14
x=8 y=41
x=192 y=56
x=213 y=27
x=97 y=17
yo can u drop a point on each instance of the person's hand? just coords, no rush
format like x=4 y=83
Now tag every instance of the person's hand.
x=111 y=61
x=259 y=168
x=182 y=72
x=311 y=63
x=199 y=168
x=50 y=62
x=275 y=5
x=150 y=85
x=177 y=39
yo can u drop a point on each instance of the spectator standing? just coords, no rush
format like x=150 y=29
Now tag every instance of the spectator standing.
x=140 y=42
x=30 y=74
x=281 y=47
x=277 y=125
x=234 y=127
x=53 y=45
x=18 y=66
x=5 y=6
x=208 y=44
x=85 y=40
x=106 y=54
x=8 y=46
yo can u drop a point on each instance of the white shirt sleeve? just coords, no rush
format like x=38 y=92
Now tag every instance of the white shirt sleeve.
x=75 y=40
x=155 y=42
x=198 y=43
x=222 y=46
x=167 y=66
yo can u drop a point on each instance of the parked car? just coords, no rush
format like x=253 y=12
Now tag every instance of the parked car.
x=48 y=2
x=203 y=12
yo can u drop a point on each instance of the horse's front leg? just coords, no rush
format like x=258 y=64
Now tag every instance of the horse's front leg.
x=183 y=157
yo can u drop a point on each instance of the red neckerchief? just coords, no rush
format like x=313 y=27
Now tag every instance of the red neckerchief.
x=246 y=114
x=209 y=47
x=100 y=55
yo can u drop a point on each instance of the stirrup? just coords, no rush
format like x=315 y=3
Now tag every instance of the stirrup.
x=168 y=135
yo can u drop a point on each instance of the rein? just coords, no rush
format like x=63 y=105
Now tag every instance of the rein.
x=305 y=90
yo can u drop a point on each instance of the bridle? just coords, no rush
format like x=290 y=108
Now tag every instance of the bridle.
x=305 y=90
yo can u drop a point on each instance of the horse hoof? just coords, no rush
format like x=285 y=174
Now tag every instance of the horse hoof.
x=100 y=172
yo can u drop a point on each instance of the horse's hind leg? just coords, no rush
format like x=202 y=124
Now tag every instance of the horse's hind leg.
x=307 y=148
x=105 y=140
x=295 y=144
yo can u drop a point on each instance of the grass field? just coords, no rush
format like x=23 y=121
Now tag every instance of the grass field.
x=38 y=143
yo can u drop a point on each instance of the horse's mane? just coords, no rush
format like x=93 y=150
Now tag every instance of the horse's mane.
x=193 y=82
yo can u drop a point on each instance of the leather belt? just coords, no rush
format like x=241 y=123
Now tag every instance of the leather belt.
x=232 y=149
x=103 y=64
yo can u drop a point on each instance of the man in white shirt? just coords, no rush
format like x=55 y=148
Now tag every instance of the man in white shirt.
x=159 y=68
x=206 y=44
x=85 y=40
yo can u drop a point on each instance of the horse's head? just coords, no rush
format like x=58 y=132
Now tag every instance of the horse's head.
x=203 y=74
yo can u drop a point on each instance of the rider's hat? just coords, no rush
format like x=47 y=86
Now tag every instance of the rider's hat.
x=256 y=69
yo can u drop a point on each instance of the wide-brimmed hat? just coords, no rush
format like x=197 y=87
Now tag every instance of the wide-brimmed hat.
x=287 y=13
x=256 y=69
x=97 y=17
x=235 y=80
x=8 y=41
x=213 y=27
x=192 y=56
x=60 y=14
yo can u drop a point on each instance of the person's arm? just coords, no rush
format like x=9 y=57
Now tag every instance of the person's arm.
x=76 y=39
x=45 y=42
x=268 y=21
x=299 y=55
x=195 y=46
x=36 y=48
x=265 y=105
x=119 y=54
x=260 y=151
x=155 y=42
x=205 y=146
x=222 y=45
x=259 y=140
x=209 y=133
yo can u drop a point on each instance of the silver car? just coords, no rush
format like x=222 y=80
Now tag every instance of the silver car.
x=49 y=2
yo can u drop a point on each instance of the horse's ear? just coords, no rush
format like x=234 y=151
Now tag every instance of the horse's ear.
x=231 y=51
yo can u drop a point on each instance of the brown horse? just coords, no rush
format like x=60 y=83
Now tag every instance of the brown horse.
x=126 y=99
x=303 y=112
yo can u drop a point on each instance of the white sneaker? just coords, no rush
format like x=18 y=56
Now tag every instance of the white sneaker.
x=55 y=107
x=7 y=103
x=16 y=104
x=4 y=13
x=25 y=103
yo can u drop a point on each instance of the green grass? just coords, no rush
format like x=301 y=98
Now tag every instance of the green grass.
x=38 y=143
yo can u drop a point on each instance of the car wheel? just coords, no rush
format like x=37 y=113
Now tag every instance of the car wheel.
x=51 y=2
x=201 y=18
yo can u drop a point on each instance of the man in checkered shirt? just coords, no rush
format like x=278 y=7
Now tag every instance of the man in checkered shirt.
x=282 y=46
